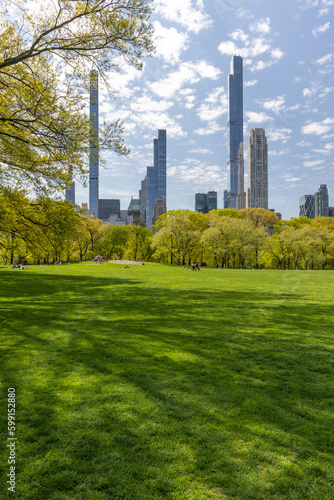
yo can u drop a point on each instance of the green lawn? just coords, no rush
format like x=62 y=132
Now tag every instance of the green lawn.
x=157 y=382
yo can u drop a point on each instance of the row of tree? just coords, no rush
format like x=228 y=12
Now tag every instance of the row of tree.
x=44 y=230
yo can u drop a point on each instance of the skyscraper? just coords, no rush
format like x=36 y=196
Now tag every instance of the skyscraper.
x=212 y=200
x=70 y=193
x=306 y=206
x=206 y=202
x=108 y=207
x=201 y=203
x=235 y=130
x=257 y=192
x=94 y=144
x=156 y=175
x=321 y=201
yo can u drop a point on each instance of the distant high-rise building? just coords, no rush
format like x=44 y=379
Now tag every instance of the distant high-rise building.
x=108 y=207
x=235 y=131
x=133 y=210
x=306 y=206
x=330 y=211
x=321 y=201
x=257 y=192
x=212 y=200
x=159 y=209
x=142 y=199
x=201 y=204
x=70 y=193
x=204 y=203
x=94 y=144
x=156 y=175
x=225 y=199
x=241 y=196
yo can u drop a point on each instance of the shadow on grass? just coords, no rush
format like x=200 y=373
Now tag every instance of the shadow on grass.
x=130 y=391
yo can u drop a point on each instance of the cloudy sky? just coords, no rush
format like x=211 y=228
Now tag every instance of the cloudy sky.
x=288 y=51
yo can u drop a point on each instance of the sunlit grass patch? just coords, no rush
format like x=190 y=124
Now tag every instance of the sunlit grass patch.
x=157 y=382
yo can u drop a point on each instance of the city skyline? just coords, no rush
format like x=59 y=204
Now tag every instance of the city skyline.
x=288 y=91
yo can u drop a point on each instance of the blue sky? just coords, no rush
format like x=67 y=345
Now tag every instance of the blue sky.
x=288 y=51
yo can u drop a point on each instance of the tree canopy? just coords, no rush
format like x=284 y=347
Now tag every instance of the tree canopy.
x=47 y=50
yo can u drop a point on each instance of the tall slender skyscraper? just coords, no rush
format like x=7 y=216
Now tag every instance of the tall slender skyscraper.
x=156 y=175
x=257 y=192
x=94 y=143
x=321 y=201
x=235 y=130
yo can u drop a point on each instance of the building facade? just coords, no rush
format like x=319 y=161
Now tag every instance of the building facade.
x=321 y=201
x=156 y=176
x=70 y=193
x=257 y=191
x=142 y=200
x=94 y=144
x=159 y=209
x=107 y=207
x=306 y=206
x=235 y=131
x=204 y=203
x=201 y=203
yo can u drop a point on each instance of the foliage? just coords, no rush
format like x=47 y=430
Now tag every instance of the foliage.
x=44 y=230
x=47 y=49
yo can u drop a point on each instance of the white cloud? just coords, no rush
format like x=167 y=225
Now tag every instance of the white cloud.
x=214 y=105
x=261 y=26
x=304 y=144
x=255 y=117
x=169 y=43
x=197 y=173
x=274 y=105
x=187 y=98
x=189 y=13
x=252 y=46
x=323 y=12
x=327 y=149
x=201 y=151
x=187 y=73
x=313 y=163
x=318 y=128
x=288 y=178
x=325 y=59
x=146 y=104
x=282 y=135
x=120 y=81
x=212 y=128
x=320 y=30
x=250 y=83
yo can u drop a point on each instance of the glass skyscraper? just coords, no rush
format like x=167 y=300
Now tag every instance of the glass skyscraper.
x=235 y=128
x=156 y=175
x=70 y=193
x=94 y=143
x=321 y=201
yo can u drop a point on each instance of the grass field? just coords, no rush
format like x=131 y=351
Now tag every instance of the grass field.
x=157 y=382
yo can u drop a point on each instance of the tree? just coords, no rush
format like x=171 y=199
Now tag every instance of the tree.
x=114 y=241
x=46 y=53
x=178 y=232
x=45 y=226
x=260 y=217
x=96 y=232
x=139 y=242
